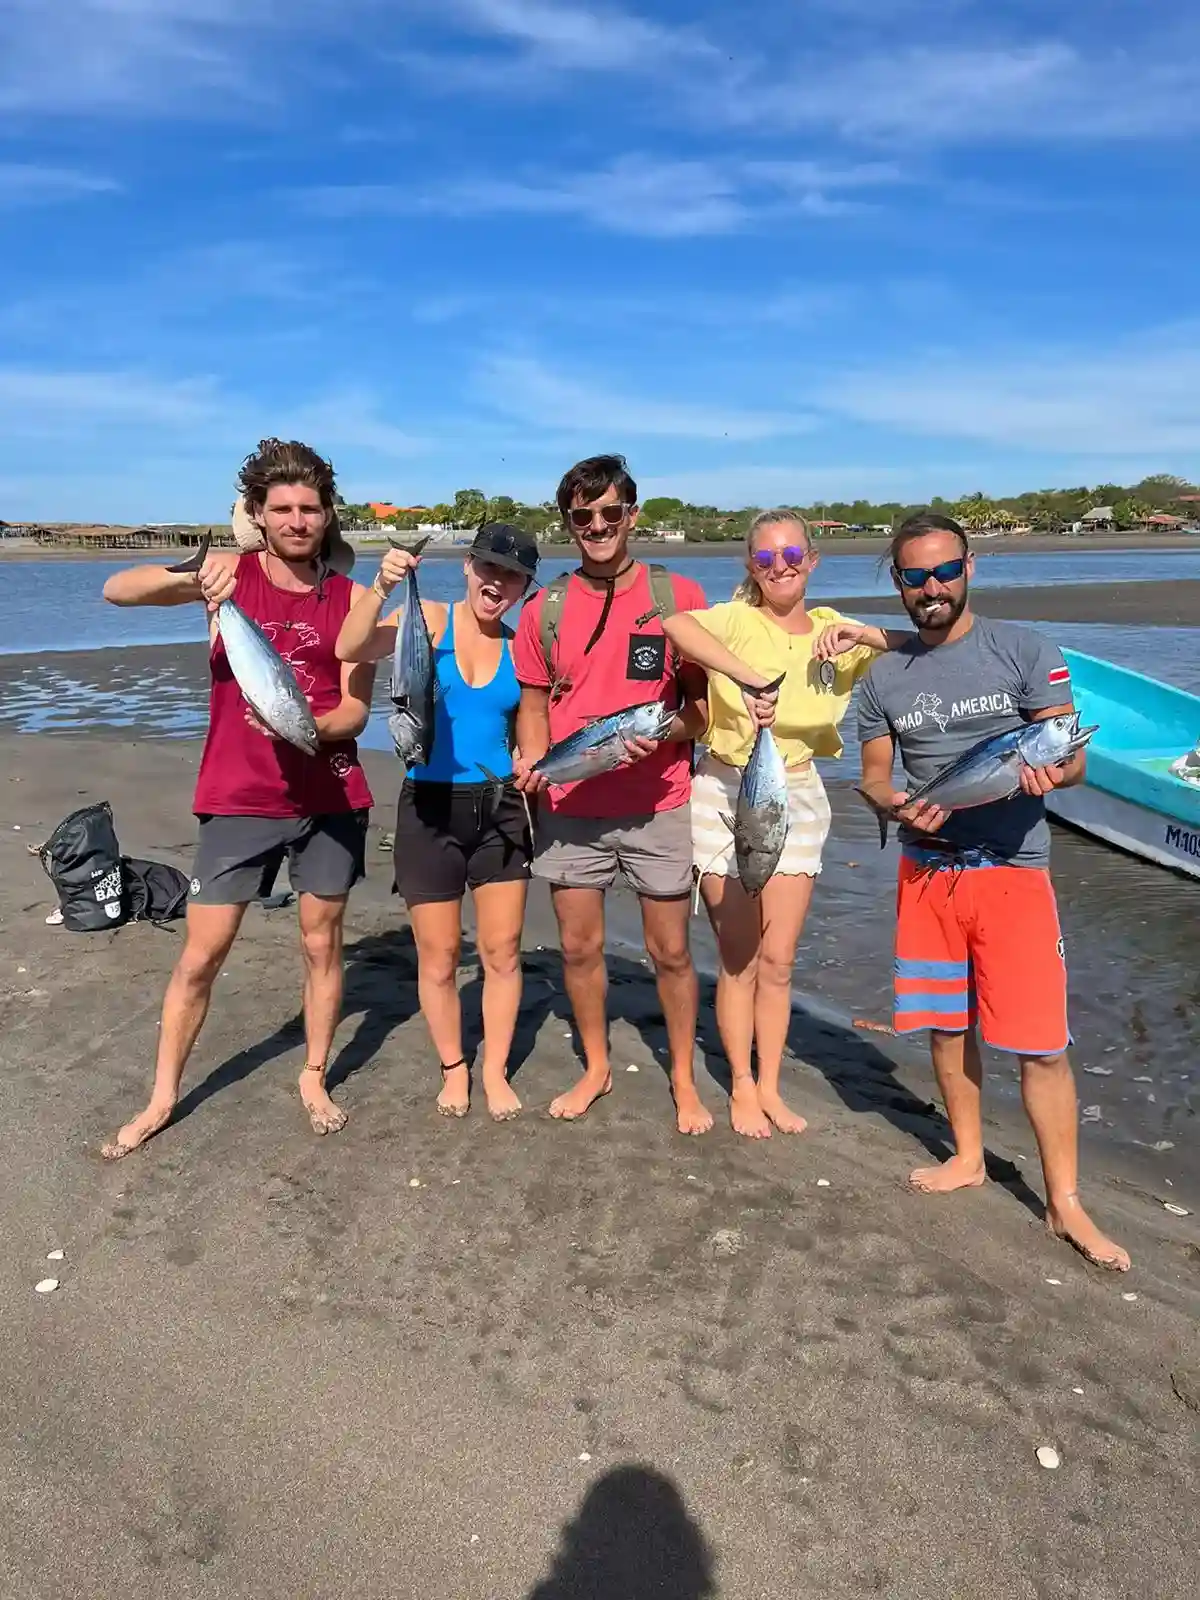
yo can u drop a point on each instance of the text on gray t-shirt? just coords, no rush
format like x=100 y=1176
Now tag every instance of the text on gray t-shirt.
x=939 y=700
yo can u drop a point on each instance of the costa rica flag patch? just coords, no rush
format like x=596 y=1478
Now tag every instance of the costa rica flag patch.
x=1059 y=675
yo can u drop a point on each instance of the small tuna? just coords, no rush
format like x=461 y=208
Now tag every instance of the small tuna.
x=414 y=686
x=991 y=770
x=267 y=683
x=760 y=821
x=599 y=746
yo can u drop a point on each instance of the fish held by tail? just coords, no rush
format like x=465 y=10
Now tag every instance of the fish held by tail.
x=195 y=562
x=498 y=786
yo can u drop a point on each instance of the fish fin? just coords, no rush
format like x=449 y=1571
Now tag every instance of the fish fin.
x=728 y=821
x=194 y=563
x=413 y=548
x=880 y=816
x=767 y=688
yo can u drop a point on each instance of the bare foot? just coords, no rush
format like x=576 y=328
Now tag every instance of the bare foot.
x=691 y=1114
x=455 y=1098
x=322 y=1113
x=578 y=1101
x=745 y=1112
x=135 y=1133
x=502 y=1102
x=1068 y=1220
x=784 y=1118
x=956 y=1173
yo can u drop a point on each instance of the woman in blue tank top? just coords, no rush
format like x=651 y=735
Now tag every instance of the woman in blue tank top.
x=453 y=831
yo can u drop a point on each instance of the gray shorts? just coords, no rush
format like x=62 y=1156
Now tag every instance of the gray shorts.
x=238 y=858
x=653 y=854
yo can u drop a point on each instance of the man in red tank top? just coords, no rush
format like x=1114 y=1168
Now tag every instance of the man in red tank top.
x=258 y=799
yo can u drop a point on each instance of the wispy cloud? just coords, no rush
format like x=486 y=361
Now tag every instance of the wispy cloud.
x=34 y=403
x=29 y=184
x=635 y=194
x=527 y=391
x=1140 y=398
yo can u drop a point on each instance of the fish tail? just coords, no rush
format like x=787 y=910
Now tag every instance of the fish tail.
x=413 y=547
x=881 y=817
x=194 y=563
x=728 y=821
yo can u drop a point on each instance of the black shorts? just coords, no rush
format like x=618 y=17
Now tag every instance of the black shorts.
x=238 y=858
x=451 y=837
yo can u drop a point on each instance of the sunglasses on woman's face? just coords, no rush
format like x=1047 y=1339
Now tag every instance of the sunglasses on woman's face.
x=944 y=572
x=581 y=516
x=793 y=555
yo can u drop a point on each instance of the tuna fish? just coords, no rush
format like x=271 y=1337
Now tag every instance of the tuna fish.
x=414 y=686
x=599 y=746
x=267 y=683
x=991 y=770
x=760 y=821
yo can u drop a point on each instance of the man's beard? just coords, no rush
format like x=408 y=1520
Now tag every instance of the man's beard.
x=939 y=617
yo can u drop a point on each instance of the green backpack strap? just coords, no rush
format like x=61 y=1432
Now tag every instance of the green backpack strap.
x=554 y=597
x=662 y=590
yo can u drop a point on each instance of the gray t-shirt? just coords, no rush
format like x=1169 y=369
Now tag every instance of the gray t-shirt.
x=939 y=700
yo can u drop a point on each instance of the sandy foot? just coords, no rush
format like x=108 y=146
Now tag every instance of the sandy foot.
x=745 y=1113
x=1068 y=1220
x=692 y=1116
x=455 y=1097
x=784 y=1118
x=324 y=1116
x=502 y=1102
x=578 y=1101
x=135 y=1133
x=953 y=1174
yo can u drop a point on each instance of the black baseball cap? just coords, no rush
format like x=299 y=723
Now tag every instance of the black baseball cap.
x=502 y=545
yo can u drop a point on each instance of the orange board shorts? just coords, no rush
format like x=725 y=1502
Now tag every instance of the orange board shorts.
x=981 y=944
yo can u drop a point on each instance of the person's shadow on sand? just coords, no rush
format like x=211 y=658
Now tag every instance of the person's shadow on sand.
x=632 y=1539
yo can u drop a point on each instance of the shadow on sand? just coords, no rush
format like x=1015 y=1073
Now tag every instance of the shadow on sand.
x=632 y=1539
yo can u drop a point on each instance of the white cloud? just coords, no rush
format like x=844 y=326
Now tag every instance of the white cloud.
x=1141 y=398
x=39 y=403
x=29 y=184
x=635 y=194
x=528 y=392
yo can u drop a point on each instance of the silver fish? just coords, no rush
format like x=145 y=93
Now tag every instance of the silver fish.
x=991 y=770
x=267 y=683
x=760 y=821
x=414 y=686
x=599 y=746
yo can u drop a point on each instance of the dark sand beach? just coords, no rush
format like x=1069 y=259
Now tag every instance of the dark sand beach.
x=532 y=1361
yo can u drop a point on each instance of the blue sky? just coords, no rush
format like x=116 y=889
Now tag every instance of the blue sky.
x=772 y=252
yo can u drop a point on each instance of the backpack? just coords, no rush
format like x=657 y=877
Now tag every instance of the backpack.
x=662 y=591
x=97 y=886
x=154 y=892
x=83 y=861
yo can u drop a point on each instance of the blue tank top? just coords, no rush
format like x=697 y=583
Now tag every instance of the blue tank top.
x=470 y=726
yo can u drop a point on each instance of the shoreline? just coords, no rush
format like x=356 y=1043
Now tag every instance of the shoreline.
x=537 y=1360
x=1002 y=544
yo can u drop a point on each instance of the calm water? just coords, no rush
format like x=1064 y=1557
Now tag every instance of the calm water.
x=56 y=605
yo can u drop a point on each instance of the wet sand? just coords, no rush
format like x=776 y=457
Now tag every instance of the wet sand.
x=533 y=1361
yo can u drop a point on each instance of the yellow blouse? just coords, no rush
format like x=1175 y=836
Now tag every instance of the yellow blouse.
x=807 y=715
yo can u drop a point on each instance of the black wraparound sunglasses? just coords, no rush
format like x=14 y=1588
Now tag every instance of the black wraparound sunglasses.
x=944 y=572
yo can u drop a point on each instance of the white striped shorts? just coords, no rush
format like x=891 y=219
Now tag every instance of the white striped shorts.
x=715 y=791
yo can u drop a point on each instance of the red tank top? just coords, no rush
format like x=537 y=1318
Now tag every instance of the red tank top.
x=243 y=773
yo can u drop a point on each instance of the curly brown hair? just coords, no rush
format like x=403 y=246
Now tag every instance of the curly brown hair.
x=276 y=461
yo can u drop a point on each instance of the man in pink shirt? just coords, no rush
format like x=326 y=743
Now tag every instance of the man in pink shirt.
x=609 y=651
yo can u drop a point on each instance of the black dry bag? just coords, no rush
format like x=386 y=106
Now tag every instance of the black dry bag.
x=83 y=860
x=154 y=892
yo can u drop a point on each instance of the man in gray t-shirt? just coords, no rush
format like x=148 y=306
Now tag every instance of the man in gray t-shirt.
x=978 y=943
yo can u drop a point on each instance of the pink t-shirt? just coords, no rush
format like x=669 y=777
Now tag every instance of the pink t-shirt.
x=624 y=668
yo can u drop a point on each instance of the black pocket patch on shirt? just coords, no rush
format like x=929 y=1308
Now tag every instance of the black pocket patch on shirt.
x=647 y=657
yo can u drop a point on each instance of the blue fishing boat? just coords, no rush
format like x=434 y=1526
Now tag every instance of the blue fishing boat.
x=1143 y=766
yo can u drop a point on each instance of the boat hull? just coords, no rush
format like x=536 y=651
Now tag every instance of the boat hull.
x=1132 y=828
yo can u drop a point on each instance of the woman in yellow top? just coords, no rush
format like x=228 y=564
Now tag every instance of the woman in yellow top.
x=767 y=626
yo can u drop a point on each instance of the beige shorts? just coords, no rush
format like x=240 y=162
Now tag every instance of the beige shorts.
x=653 y=854
x=714 y=797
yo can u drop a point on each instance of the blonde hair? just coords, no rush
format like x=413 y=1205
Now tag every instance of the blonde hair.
x=748 y=590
